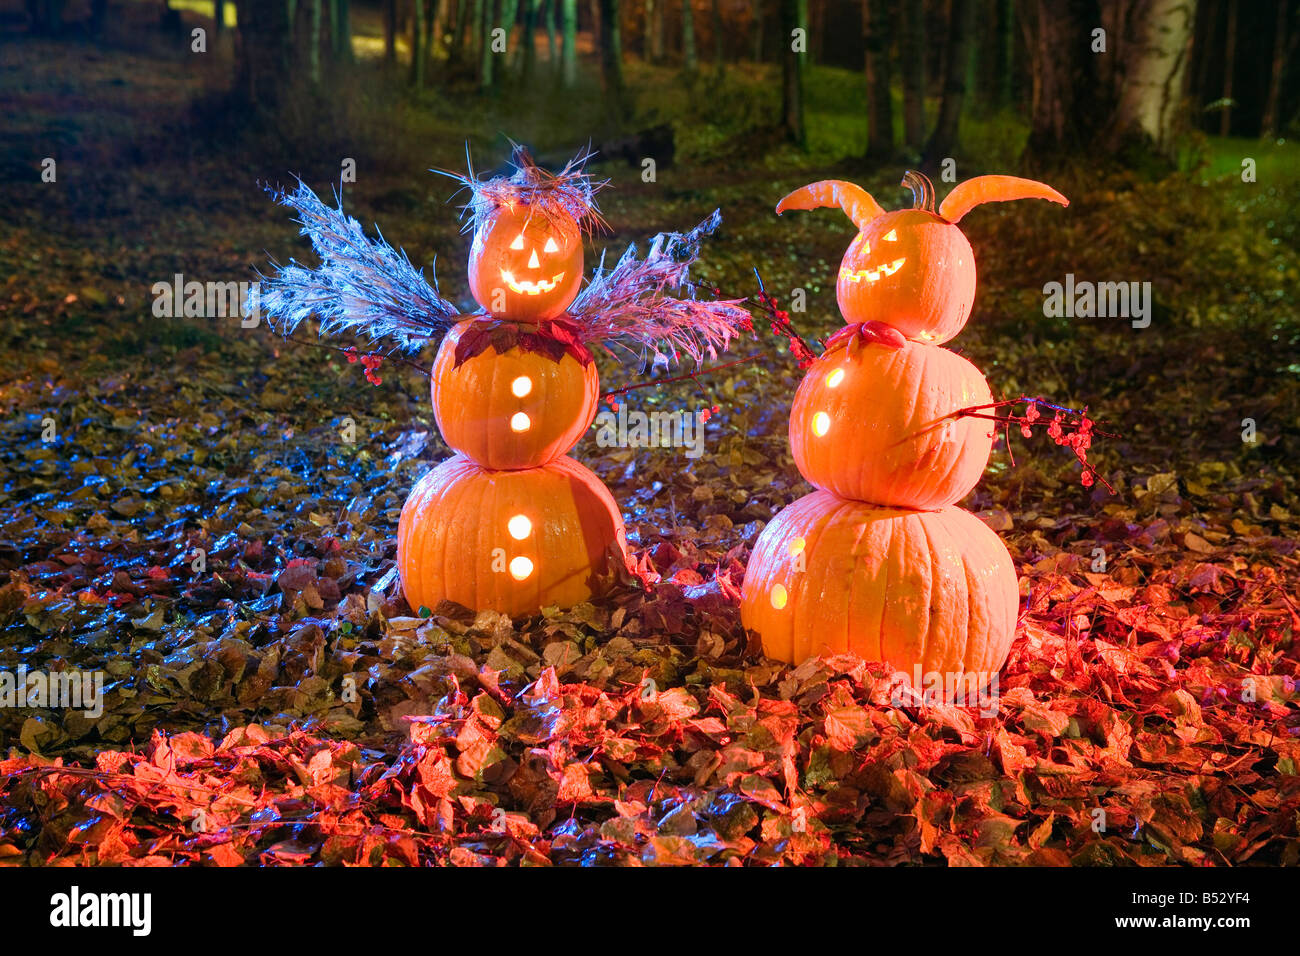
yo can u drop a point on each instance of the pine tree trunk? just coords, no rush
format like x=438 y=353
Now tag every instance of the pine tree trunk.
x=390 y=31
x=417 y=44
x=688 y=37
x=957 y=47
x=485 y=54
x=1006 y=53
x=611 y=58
x=880 y=114
x=527 y=44
x=1271 y=124
x=719 y=46
x=570 y=55
x=1229 y=66
x=548 y=14
x=912 y=58
x=314 y=23
x=794 y=16
x=509 y=13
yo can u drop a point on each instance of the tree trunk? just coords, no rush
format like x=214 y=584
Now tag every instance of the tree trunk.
x=794 y=16
x=1005 y=54
x=688 y=37
x=509 y=13
x=265 y=51
x=390 y=31
x=1271 y=124
x=527 y=44
x=912 y=58
x=485 y=54
x=1068 y=101
x=548 y=14
x=880 y=114
x=314 y=23
x=1154 y=62
x=719 y=45
x=1229 y=64
x=957 y=47
x=760 y=10
x=611 y=59
x=570 y=55
x=417 y=44
x=458 y=38
x=654 y=25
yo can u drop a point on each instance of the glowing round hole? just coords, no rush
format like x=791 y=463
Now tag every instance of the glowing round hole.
x=520 y=567
x=796 y=547
x=520 y=422
x=821 y=424
x=521 y=386
x=778 y=596
x=519 y=527
x=834 y=378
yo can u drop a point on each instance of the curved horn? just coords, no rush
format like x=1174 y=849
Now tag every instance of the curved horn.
x=854 y=200
x=973 y=192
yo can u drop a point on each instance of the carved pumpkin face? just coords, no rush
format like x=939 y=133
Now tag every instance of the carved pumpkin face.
x=525 y=266
x=912 y=269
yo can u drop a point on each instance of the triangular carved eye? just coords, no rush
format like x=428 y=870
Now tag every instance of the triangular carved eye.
x=891 y=236
x=518 y=243
x=550 y=246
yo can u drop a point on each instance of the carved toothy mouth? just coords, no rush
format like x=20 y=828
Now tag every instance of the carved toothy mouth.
x=526 y=287
x=872 y=275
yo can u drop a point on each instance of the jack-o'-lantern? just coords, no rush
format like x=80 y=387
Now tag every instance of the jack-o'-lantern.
x=513 y=409
x=930 y=588
x=525 y=263
x=879 y=424
x=912 y=269
x=509 y=541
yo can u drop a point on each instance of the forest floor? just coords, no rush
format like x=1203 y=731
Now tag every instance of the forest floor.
x=1155 y=667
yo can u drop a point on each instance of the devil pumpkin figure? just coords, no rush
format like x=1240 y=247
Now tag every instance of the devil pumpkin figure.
x=879 y=561
x=510 y=522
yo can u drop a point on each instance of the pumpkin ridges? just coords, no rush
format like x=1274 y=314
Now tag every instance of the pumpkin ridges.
x=947 y=646
x=885 y=440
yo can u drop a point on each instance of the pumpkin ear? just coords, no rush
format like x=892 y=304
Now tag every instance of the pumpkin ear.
x=973 y=192
x=854 y=200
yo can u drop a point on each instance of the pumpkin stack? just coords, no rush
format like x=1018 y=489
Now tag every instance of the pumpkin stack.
x=879 y=561
x=511 y=523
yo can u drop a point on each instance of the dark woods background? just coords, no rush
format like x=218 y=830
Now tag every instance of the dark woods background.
x=1163 y=71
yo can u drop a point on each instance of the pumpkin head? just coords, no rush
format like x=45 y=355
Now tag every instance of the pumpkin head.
x=878 y=424
x=930 y=588
x=912 y=269
x=526 y=265
x=508 y=541
x=514 y=409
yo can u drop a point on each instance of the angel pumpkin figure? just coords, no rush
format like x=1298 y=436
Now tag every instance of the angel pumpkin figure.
x=510 y=522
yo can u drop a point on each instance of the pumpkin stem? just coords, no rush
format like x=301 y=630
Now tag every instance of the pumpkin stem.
x=922 y=190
